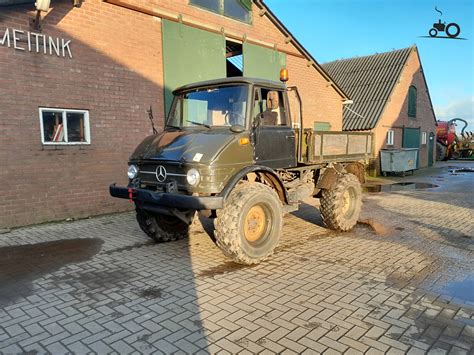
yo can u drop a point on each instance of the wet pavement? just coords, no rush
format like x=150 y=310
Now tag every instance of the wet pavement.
x=401 y=282
x=398 y=186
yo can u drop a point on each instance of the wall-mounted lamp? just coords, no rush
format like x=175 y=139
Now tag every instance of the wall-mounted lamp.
x=41 y=5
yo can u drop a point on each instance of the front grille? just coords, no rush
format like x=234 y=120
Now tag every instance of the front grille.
x=148 y=176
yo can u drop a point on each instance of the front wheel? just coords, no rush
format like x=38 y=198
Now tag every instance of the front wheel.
x=341 y=205
x=162 y=228
x=433 y=32
x=249 y=226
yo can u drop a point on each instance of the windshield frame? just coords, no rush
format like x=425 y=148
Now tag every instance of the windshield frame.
x=177 y=95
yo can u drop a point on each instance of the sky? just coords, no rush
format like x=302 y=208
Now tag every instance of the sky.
x=336 y=29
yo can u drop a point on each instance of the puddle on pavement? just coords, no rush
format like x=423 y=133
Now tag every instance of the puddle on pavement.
x=399 y=186
x=462 y=289
x=461 y=171
x=22 y=264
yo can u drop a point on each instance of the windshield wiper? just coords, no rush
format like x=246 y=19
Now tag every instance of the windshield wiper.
x=200 y=124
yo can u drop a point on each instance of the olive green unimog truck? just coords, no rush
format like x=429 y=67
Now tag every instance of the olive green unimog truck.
x=232 y=149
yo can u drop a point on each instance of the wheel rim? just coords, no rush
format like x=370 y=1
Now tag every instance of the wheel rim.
x=348 y=202
x=255 y=223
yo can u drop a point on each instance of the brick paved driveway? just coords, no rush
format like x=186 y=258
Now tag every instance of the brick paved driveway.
x=99 y=285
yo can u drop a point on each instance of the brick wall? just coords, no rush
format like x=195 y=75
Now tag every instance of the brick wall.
x=115 y=73
x=395 y=115
x=321 y=101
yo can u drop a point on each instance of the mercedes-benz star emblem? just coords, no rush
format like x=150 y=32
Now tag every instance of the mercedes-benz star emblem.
x=160 y=173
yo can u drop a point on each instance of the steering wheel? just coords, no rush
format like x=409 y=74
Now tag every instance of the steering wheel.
x=232 y=118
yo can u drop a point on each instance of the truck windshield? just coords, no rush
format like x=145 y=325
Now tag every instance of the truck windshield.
x=220 y=106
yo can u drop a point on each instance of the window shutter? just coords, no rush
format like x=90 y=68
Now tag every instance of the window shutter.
x=412 y=101
x=261 y=62
x=190 y=55
x=247 y=4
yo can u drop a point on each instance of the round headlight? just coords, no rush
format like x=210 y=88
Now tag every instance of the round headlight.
x=132 y=171
x=193 y=177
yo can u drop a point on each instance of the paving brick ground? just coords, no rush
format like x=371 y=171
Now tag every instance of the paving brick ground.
x=100 y=286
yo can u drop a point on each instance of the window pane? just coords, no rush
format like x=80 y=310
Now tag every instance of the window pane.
x=222 y=106
x=273 y=113
x=75 y=127
x=53 y=129
x=212 y=5
x=412 y=101
x=234 y=8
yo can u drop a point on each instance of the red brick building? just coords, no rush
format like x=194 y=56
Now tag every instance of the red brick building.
x=74 y=92
x=391 y=99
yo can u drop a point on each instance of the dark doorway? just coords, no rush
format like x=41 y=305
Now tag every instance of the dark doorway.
x=234 y=59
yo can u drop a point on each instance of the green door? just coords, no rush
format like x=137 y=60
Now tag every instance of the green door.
x=190 y=55
x=412 y=139
x=431 y=143
x=261 y=62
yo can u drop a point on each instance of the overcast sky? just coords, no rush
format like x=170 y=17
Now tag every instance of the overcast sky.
x=335 y=29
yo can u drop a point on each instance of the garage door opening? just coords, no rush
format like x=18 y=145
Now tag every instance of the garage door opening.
x=234 y=59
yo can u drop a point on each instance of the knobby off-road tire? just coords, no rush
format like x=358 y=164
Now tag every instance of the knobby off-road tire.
x=341 y=205
x=248 y=228
x=440 y=152
x=162 y=228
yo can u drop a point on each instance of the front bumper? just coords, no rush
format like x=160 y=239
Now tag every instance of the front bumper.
x=167 y=200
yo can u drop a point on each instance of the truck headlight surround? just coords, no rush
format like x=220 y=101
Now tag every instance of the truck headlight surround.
x=193 y=177
x=132 y=171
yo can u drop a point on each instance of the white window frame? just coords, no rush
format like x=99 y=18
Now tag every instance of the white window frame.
x=423 y=138
x=390 y=136
x=64 y=112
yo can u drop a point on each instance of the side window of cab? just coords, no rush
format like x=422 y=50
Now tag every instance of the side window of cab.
x=269 y=106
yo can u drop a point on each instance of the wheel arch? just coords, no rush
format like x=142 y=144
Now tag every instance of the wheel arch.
x=270 y=177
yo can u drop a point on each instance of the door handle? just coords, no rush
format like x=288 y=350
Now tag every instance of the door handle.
x=287 y=137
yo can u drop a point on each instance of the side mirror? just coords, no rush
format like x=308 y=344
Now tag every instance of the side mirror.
x=237 y=128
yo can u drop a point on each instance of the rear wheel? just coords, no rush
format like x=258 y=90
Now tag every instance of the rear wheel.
x=453 y=30
x=162 y=228
x=341 y=205
x=249 y=226
x=440 y=152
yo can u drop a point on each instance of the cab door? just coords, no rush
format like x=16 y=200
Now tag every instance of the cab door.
x=272 y=134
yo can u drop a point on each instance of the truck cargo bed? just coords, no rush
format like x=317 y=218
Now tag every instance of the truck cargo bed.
x=327 y=146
